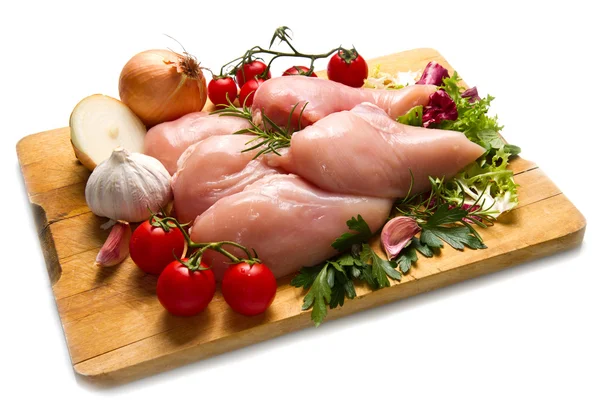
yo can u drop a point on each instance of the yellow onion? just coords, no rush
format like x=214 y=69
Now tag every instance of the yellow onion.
x=161 y=85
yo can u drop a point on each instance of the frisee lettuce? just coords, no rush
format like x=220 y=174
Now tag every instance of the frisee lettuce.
x=472 y=117
x=413 y=117
x=487 y=182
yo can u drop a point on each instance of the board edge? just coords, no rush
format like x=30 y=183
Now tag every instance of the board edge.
x=110 y=378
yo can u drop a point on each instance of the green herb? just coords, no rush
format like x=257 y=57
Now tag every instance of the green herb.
x=472 y=117
x=408 y=256
x=413 y=117
x=441 y=222
x=447 y=215
x=487 y=183
x=361 y=234
x=269 y=137
x=318 y=296
x=381 y=269
x=332 y=281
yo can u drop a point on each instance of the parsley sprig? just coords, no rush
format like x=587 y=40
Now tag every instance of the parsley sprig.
x=333 y=281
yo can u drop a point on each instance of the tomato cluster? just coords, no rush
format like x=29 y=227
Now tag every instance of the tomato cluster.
x=222 y=90
x=185 y=287
x=345 y=66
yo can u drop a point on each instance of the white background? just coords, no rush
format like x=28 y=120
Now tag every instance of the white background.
x=528 y=332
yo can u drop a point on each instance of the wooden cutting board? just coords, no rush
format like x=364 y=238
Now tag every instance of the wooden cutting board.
x=115 y=328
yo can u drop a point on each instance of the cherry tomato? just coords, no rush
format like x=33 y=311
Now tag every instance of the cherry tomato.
x=298 y=70
x=151 y=248
x=222 y=90
x=348 y=67
x=247 y=91
x=249 y=71
x=184 y=292
x=249 y=289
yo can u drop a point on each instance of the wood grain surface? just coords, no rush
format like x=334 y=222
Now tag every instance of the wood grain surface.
x=115 y=328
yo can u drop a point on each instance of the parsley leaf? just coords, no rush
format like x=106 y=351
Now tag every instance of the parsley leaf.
x=421 y=248
x=380 y=268
x=346 y=260
x=428 y=238
x=456 y=236
x=446 y=215
x=408 y=256
x=318 y=296
x=367 y=276
x=330 y=283
x=305 y=277
x=362 y=234
x=337 y=296
x=343 y=287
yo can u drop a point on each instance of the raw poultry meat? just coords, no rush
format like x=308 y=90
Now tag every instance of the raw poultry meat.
x=365 y=152
x=288 y=221
x=167 y=141
x=214 y=168
x=277 y=97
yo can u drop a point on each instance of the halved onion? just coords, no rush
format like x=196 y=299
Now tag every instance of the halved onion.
x=99 y=124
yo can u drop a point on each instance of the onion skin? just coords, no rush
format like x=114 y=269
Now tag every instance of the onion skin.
x=83 y=158
x=161 y=85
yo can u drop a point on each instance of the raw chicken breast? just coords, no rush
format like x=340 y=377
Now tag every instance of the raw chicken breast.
x=276 y=98
x=167 y=141
x=214 y=168
x=289 y=222
x=365 y=152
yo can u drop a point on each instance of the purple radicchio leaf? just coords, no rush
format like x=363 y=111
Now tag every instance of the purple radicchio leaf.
x=433 y=74
x=396 y=234
x=471 y=94
x=441 y=107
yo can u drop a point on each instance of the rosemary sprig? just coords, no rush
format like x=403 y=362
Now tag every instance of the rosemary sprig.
x=269 y=136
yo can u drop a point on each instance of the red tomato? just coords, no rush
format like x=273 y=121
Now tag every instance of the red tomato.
x=151 y=248
x=249 y=71
x=298 y=70
x=247 y=91
x=222 y=90
x=183 y=292
x=249 y=289
x=348 y=67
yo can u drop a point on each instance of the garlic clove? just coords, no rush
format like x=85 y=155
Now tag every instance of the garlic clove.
x=396 y=234
x=116 y=247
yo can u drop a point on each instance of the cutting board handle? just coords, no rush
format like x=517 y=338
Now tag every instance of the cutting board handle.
x=47 y=243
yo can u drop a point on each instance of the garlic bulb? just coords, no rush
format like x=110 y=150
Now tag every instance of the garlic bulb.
x=126 y=185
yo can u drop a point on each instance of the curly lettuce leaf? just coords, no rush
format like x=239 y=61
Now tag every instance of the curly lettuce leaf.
x=472 y=116
x=487 y=183
x=413 y=117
